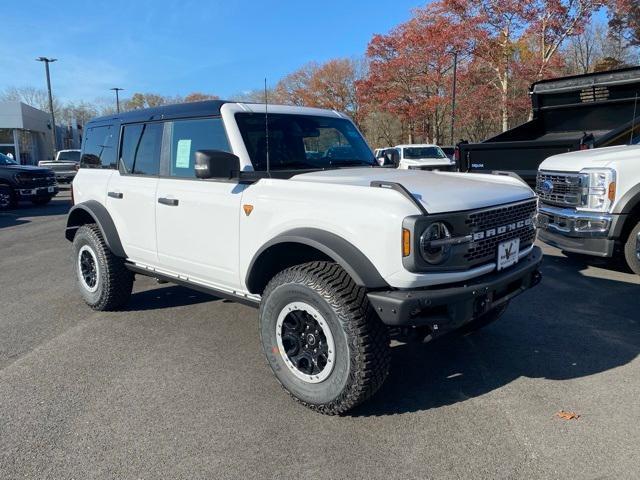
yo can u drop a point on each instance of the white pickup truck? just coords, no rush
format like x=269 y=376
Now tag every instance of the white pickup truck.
x=290 y=212
x=590 y=202
x=65 y=165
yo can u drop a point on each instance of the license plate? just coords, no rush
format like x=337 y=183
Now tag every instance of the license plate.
x=51 y=189
x=508 y=253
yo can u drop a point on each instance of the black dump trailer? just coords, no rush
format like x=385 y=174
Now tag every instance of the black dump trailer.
x=569 y=113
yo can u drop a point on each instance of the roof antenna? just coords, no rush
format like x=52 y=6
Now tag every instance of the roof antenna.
x=266 y=124
x=633 y=120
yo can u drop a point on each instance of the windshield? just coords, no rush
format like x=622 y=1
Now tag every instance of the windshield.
x=4 y=160
x=303 y=142
x=414 y=153
x=70 y=156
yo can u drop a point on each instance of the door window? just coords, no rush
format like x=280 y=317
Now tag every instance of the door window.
x=189 y=136
x=140 y=151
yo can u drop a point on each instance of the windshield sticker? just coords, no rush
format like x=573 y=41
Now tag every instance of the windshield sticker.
x=183 y=154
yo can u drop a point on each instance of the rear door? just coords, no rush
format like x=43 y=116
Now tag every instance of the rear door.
x=131 y=195
x=197 y=220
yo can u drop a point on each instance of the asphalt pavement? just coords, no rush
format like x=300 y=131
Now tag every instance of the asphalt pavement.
x=176 y=386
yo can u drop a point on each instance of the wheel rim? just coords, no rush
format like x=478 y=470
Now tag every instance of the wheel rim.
x=305 y=342
x=638 y=246
x=88 y=270
x=5 y=199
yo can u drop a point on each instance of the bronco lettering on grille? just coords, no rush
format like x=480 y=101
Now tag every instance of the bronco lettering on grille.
x=492 y=232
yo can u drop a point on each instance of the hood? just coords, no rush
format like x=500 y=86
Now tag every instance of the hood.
x=438 y=191
x=594 y=158
x=426 y=161
x=27 y=168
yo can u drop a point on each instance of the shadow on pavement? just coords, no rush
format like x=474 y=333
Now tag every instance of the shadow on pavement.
x=24 y=211
x=573 y=326
x=165 y=297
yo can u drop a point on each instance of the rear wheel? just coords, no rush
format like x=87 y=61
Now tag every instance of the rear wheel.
x=323 y=341
x=632 y=249
x=7 y=197
x=103 y=280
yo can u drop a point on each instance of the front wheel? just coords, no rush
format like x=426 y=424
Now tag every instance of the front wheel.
x=632 y=249
x=322 y=339
x=103 y=280
x=7 y=197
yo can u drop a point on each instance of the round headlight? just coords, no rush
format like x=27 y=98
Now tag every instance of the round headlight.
x=432 y=251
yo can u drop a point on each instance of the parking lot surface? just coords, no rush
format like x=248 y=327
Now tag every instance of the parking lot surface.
x=177 y=387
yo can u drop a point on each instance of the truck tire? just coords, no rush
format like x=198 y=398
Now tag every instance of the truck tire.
x=322 y=339
x=41 y=200
x=632 y=250
x=484 y=320
x=7 y=197
x=104 y=282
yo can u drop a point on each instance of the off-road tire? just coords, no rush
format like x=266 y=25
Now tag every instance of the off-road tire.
x=8 y=199
x=362 y=350
x=484 y=320
x=631 y=250
x=114 y=280
x=41 y=200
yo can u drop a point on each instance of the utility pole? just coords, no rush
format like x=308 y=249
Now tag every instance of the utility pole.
x=117 y=89
x=453 y=93
x=47 y=61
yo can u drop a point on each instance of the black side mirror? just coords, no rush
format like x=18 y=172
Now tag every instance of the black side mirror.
x=216 y=164
x=391 y=158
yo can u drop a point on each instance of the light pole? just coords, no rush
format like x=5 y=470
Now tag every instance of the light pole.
x=47 y=61
x=453 y=93
x=117 y=89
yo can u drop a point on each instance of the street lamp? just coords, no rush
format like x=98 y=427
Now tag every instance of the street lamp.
x=47 y=61
x=453 y=93
x=117 y=89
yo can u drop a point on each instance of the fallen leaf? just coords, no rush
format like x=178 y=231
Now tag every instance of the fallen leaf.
x=567 y=415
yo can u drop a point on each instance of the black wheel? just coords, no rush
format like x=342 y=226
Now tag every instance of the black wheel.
x=632 y=249
x=104 y=281
x=323 y=341
x=41 y=200
x=7 y=197
x=484 y=320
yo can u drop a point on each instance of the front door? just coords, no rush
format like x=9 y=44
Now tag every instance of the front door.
x=197 y=221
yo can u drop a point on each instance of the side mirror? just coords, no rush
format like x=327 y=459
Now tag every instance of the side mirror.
x=391 y=158
x=216 y=164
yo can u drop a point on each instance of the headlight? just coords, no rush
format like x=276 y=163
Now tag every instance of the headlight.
x=598 y=189
x=432 y=247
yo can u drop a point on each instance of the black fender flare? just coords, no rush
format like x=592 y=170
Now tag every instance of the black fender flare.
x=78 y=215
x=345 y=254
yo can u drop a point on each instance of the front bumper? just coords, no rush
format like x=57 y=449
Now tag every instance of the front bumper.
x=36 y=192
x=449 y=308
x=65 y=177
x=575 y=231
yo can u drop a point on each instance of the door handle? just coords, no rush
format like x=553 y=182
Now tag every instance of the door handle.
x=172 y=202
x=115 y=194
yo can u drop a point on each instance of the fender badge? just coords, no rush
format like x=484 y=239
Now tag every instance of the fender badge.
x=247 y=209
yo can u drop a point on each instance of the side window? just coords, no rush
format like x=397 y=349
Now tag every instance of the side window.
x=140 y=150
x=99 y=148
x=189 y=136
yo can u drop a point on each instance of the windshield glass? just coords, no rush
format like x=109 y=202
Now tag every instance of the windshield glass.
x=303 y=142
x=412 y=153
x=4 y=160
x=70 y=156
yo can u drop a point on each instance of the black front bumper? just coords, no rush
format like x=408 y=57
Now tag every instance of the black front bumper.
x=36 y=192
x=445 y=309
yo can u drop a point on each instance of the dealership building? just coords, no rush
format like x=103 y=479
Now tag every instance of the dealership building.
x=25 y=133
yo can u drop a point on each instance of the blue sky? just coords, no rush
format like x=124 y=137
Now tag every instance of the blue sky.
x=219 y=47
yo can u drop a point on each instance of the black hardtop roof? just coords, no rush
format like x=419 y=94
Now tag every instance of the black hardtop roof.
x=165 y=112
x=577 y=82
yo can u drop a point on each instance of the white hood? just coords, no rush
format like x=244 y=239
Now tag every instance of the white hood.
x=594 y=158
x=438 y=191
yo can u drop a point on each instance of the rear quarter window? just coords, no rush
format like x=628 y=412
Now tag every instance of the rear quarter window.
x=99 y=147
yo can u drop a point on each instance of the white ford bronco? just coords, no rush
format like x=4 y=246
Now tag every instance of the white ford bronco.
x=590 y=202
x=286 y=209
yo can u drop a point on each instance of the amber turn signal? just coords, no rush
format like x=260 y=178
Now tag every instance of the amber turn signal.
x=612 y=191
x=406 y=242
x=247 y=209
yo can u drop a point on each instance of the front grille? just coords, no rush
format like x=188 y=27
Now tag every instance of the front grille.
x=562 y=189
x=500 y=224
x=35 y=180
